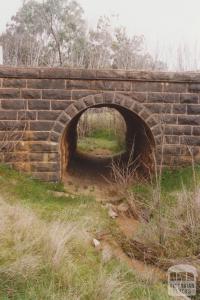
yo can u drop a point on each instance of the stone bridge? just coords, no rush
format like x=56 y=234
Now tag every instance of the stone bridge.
x=40 y=109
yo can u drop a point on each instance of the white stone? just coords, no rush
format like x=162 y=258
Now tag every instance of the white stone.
x=96 y=243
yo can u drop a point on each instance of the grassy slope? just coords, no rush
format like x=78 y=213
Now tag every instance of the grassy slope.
x=46 y=250
x=176 y=219
x=103 y=140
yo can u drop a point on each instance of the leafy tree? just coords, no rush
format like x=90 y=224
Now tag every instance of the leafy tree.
x=44 y=33
x=99 y=54
x=129 y=52
x=54 y=33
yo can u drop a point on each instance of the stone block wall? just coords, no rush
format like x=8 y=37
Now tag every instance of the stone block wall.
x=36 y=105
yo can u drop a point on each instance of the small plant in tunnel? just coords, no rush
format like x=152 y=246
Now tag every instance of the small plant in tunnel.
x=101 y=132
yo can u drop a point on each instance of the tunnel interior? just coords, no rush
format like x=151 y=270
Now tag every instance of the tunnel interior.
x=139 y=145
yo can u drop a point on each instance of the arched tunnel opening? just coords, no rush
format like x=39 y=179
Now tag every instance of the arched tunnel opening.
x=136 y=153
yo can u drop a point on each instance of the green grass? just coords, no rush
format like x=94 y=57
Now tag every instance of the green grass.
x=174 y=180
x=42 y=258
x=174 y=223
x=40 y=197
x=171 y=181
x=101 y=140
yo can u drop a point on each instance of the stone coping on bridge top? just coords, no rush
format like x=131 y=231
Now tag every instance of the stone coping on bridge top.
x=86 y=74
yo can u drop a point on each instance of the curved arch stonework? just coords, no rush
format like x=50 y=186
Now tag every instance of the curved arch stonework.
x=104 y=99
x=39 y=103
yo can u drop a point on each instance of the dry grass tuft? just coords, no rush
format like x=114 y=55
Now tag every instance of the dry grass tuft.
x=33 y=242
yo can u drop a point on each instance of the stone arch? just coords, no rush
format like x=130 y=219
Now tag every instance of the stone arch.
x=109 y=99
x=104 y=99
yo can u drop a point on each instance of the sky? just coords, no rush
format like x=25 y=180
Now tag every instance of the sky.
x=166 y=24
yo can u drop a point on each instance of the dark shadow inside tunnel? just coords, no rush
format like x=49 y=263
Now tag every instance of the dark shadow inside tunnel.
x=137 y=152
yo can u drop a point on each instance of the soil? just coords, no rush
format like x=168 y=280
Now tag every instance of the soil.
x=128 y=225
x=101 y=191
x=101 y=152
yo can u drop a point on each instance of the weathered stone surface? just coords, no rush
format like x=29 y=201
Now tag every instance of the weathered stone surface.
x=175 y=87
x=44 y=167
x=9 y=93
x=156 y=130
x=172 y=139
x=13 y=104
x=144 y=114
x=48 y=115
x=147 y=87
x=171 y=150
x=41 y=125
x=59 y=128
x=35 y=136
x=163 y=97
x=89 y=101
x=64 y=118
x=79 y=74
x=72 y=111
x=39 y=157
x=8 y=115
x=179 y=130
x=47 y=176
x=190 y=140
x=13 y=125
x=78 y=84
x=169 y=119
x=78 y=94
x=127 y=103
x=81 y=105
x=189 y=98
x=60 y=104
x=14 y=83
x=98 y=98
x=13 y=137
x=193 y=109
x=54 y=137
x=16 y=157
x=196 y=130
x=46 y=83
x=188 y=150
x=31 y=94
x=56 y=94
x=37 y=104
x=108 y=85
x=7 y=72
x=179 y=108
x=43 y=147
x=189 y=120
x=27 y=115
x=151 y=121
x=194 y=88
x=159 y=108
x=138 y=96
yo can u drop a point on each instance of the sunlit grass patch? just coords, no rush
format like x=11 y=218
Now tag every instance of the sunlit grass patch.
x=46 y=250
x=50 y=255
x=100 y=141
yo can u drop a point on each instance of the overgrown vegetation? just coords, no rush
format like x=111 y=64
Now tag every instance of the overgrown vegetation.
x=46 y=232
x=46 y=250
x=167 y=207
x=170 y=228
x=101 y=143
x=101 y=131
